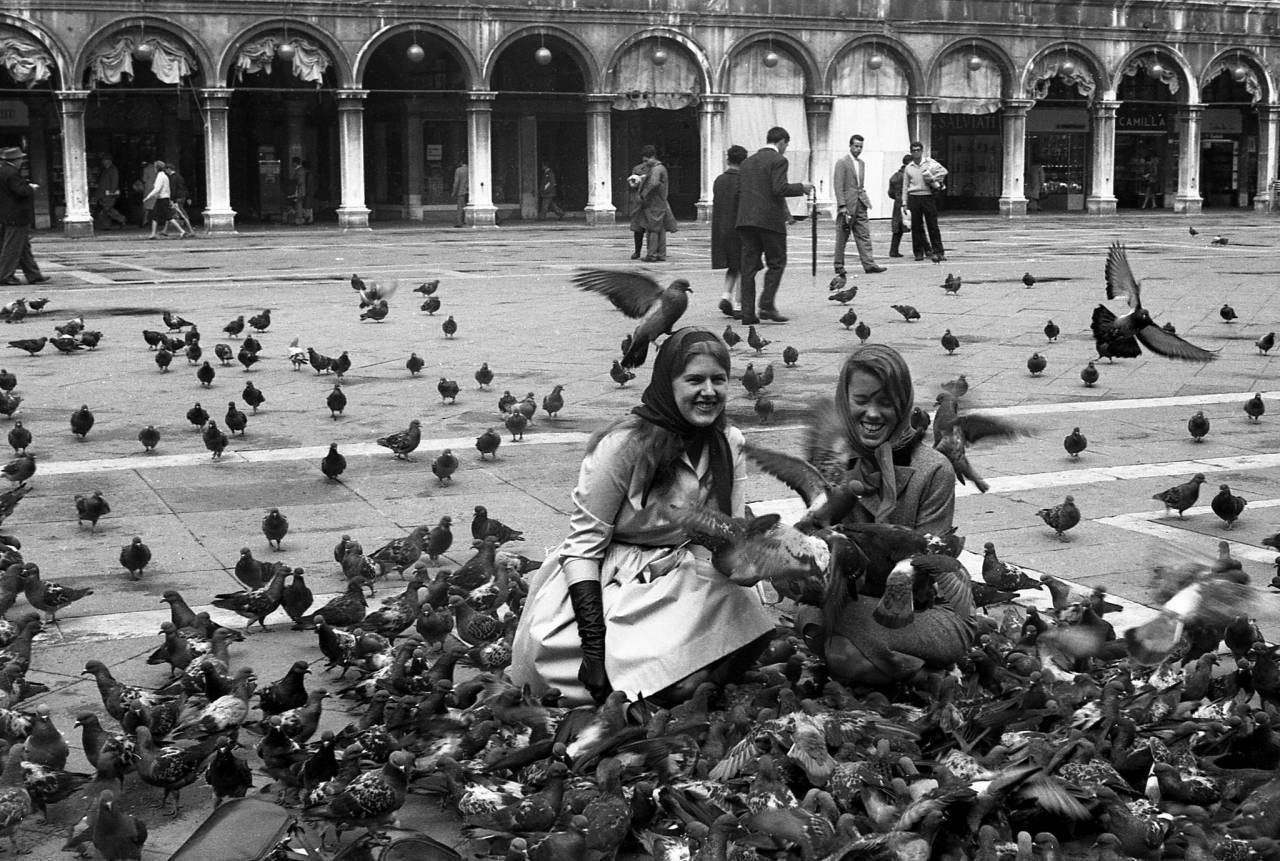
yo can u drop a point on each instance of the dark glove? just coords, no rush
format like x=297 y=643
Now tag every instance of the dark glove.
x=588 y=609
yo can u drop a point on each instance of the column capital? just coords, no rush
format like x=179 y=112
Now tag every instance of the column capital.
x=72 y=97
x=714 y=102
x=1018 y=106
x=921 y=103
x=481 y=97
x=1190 y=112
x=1105 y=108
x=215 y=94
x=818 y=104
x=352 y=97
x=598 y=98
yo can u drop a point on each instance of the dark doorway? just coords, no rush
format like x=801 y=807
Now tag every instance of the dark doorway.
x=675 y=134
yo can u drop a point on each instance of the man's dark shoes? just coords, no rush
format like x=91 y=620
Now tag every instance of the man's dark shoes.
x=894 y=254
x=11 y=281
x=43 y=279
x=726 y=308
x=635 y=256
x=873 y=268
x=751 y=320
x=773 y=316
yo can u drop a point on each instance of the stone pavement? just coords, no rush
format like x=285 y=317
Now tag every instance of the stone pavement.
x=509 y=293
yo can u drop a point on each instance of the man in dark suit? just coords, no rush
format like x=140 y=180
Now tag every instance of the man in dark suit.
x=17 y=214
x=762 y=224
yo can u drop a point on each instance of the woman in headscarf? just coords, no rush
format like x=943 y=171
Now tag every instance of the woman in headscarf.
x=870 y=437
x=626 y=603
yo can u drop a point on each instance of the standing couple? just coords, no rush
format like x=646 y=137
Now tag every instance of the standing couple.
x=749 y=220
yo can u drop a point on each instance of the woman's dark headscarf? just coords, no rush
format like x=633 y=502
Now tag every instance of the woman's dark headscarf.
x=875 y=468
x=658 y=406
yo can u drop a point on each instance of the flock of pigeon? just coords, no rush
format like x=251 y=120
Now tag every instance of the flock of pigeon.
x=1055 y=737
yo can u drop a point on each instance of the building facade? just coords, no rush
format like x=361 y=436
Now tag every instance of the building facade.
x=1033 y=106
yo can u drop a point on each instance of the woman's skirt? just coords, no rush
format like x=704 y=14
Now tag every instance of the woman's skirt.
x=161 y=212
x=668 y=613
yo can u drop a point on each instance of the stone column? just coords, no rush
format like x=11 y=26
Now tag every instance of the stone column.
x=1188 y=199
x=817 y=111
x=412 y=194
x=353 y=214
x=920 y=120
x=77 y=221
x=1102 y=195
x=600 y=209
x=1013 y=126
x=711 y=138
x=480 y=210
x=1268 y=120
x=219 y=217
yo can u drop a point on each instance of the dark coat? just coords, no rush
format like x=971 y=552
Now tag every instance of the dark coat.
x=764 y=189
x=16 y=204
x=726 y=247
x=635 y=204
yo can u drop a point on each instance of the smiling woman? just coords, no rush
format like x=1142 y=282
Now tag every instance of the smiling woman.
x=626 y=603
x=872 y=440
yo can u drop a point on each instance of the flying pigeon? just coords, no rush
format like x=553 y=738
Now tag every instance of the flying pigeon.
x=640 y=297
x=1138 y=323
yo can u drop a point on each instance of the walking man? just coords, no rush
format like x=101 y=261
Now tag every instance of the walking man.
x=922 y=179
x=17 y=214
x=547 y=192
x=763 y=190
x=108 y=192
x=461 y=191
x=853 y=202
x=896 y=223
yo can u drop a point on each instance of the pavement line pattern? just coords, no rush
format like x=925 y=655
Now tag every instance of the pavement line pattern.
x=274 y=455
x=1157 y=524
x=1127 y=404
x=1123 y=472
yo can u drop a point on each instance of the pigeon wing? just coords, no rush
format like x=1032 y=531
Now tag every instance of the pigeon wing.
x=796 y=473
x=1120 y=280
x=978 y=426
x=1166 y=344
x=632 y=293
x=705 y=525
x=826 y=444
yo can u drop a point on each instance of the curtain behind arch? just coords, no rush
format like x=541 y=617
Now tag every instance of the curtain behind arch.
x=761 y=98
x=170 y=61
x=310 y=61
x=640 y=83
x=961 y=90
x=25 y=59
x=872 y=103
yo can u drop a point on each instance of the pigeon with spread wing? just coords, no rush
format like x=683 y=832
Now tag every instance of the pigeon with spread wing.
x=1111 y=331
x=750 y=549
x=827 y=502
x=641 y=297
x=954 y=432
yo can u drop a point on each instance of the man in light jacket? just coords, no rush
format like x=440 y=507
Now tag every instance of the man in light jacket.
x=922 y=180
x=852 y=205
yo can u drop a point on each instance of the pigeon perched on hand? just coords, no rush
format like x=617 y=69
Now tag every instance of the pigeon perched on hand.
x=1137 y=323
x=640 y=297
x=748 y=550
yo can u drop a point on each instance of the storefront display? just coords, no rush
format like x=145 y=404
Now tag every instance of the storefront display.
x=970 y=147
x=1058 y=148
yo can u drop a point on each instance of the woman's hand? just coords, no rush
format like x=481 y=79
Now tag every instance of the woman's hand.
x=595 y=678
